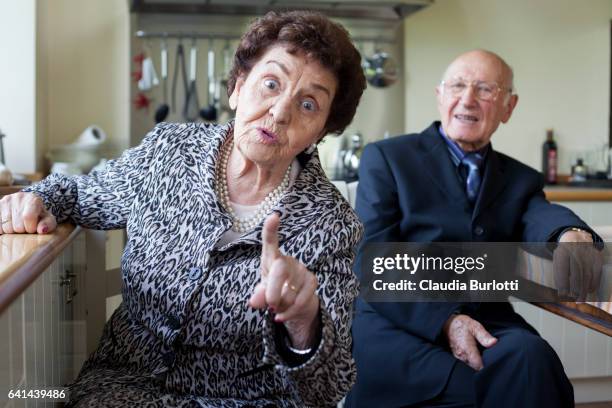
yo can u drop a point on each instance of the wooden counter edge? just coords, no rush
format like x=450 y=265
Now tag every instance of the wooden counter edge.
x=26 y=273
x=581 y=313
x=578 y=194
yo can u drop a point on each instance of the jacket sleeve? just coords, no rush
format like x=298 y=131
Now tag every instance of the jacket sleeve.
x=101 y=199
x=543 y=220
x=327 y=376
x=379 y=209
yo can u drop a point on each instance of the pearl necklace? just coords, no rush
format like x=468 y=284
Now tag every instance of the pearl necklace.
x=245 y=224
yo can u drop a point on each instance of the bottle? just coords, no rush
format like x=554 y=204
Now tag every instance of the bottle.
x=549 y=159
x=579 y=171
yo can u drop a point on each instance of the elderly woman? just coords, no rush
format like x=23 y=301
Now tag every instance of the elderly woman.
x=237 y=280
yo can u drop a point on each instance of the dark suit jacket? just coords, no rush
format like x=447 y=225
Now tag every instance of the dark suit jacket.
x=410 y=191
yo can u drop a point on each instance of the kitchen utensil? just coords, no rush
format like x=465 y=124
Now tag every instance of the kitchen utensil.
x=6 y=177
x=381 y=70
x=93 y=135
x=2 y=136
x=192 y=104
x=352 y=157
x=162 y=111
x=84 y=152
x=179 y=67
x=364 y=63
x=210 y=112
x=221 y=99
x=579 y=171
x=142 y=101
x=149 y=77
x=65 y=168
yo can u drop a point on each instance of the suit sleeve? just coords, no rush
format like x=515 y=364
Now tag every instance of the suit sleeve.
x=543 y=220
x=379 y=209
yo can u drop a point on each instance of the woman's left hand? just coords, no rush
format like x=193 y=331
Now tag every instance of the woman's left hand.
x=287 y=288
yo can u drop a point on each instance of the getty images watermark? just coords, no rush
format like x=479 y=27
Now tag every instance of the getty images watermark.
x=458 y=265
x=489 y=272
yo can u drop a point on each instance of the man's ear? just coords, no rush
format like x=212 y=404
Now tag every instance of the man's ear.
x=233 y=99
x=510 y=105
x=438 y=93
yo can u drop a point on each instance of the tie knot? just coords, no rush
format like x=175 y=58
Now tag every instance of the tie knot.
x=472 y=160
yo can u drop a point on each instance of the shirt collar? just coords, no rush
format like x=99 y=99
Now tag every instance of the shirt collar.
x=457 y=153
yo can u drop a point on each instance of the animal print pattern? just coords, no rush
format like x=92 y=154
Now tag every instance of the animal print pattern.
x=184 y=335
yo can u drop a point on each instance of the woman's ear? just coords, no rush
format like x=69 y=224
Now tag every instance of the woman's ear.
x=233 y=99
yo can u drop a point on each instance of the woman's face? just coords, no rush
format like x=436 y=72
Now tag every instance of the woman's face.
x=281 y=106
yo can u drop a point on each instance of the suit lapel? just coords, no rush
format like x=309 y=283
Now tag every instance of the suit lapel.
x=493 y=183
x=439 y=166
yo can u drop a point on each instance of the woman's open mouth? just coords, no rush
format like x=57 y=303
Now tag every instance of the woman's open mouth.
x=267 y=136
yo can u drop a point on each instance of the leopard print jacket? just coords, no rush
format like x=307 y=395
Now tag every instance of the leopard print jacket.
x=184 y=335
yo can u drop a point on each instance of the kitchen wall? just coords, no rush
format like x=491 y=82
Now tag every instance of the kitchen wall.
x=86 y=66
x=560 y=52
x=65 y=66
x=18 y=82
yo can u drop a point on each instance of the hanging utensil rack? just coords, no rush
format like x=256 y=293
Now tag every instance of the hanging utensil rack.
x=186 y=35
x=226 y=36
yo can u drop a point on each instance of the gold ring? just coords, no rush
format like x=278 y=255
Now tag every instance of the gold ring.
x=292 y=287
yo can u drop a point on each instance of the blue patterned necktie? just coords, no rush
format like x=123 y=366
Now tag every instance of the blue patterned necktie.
x=473 y=161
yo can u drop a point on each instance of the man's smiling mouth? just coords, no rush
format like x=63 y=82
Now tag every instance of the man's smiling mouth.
x=466 y=118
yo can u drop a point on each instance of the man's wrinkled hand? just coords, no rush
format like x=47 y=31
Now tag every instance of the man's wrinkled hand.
x=577 y=265
x=463 y=334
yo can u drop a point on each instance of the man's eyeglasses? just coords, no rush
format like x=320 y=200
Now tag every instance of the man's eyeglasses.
x=485 y=91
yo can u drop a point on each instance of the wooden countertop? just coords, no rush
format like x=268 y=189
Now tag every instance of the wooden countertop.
x=564 y=193
x=6 y=190
x=23 y=257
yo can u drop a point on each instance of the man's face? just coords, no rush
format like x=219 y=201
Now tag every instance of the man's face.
x=468 y=113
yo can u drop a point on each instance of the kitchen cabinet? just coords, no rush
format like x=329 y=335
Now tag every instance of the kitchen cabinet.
x=43 y=330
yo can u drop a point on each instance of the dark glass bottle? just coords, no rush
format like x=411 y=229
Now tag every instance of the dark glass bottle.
x=549 y=159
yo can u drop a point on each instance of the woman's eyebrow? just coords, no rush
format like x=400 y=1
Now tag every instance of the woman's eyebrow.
x=322 y=88
x=286 y=71
x=280 y=65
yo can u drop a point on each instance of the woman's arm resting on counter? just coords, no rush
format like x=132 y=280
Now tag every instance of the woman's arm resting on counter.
x=101 y=199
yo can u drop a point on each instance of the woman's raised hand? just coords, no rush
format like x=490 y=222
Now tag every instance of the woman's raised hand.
x=25 y=213
x=287 y=288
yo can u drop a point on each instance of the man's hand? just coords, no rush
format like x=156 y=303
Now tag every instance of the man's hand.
x=577 y=265
x=462 y=333
x=287 y=288
x=25 y=212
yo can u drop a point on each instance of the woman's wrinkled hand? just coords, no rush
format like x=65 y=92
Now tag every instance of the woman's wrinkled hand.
x=287 y=288
x=25 y=213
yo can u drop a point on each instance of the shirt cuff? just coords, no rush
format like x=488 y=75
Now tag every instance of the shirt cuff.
x=282 y=342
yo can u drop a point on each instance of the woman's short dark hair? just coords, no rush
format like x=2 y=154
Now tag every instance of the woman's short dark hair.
x=317 y=37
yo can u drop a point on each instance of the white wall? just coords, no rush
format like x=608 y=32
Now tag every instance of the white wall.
x=87 y=69
x=17 y=83
x=560 y=52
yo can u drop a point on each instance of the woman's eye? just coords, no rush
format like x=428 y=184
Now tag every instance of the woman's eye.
x=309 y=105
x=270 y=84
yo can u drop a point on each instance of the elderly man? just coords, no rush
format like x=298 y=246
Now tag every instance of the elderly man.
x=448 y=184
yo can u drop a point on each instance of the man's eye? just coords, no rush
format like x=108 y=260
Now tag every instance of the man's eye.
x=485 y=89
x=270 y=84
x=309 y=105
x=457 y=86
